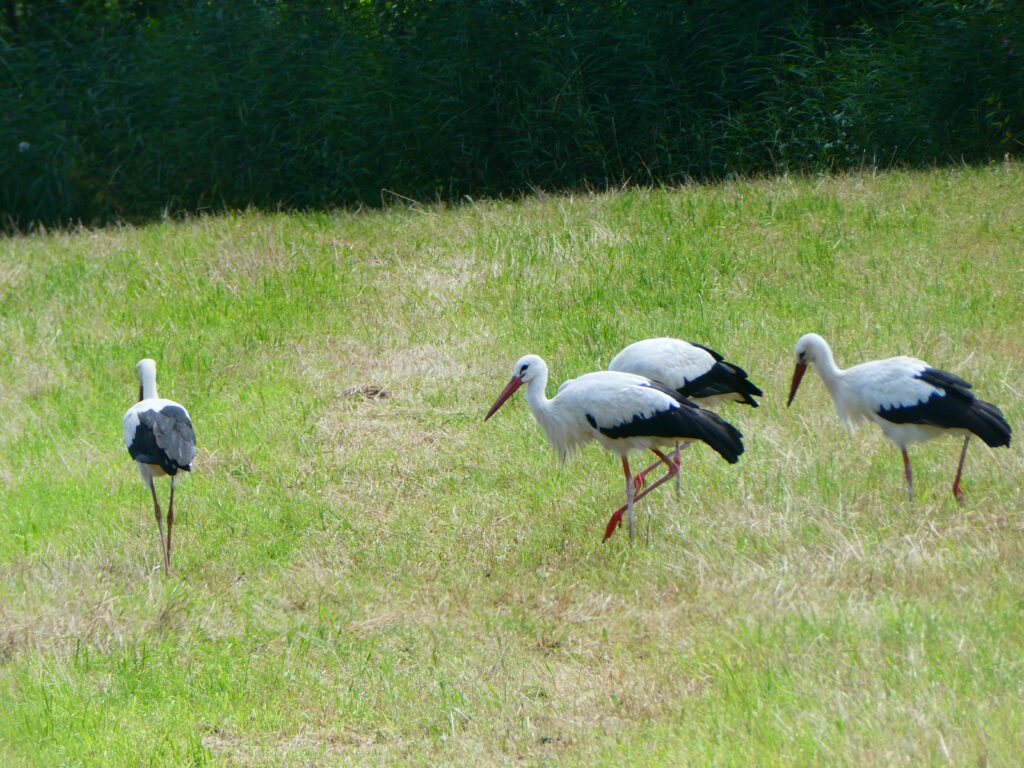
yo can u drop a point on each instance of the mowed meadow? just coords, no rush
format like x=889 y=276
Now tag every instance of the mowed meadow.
x=366 y=573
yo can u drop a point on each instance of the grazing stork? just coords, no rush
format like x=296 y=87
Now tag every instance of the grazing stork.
x=160 y=438
x=907 y=398
x=621 y=411
x=692 y=370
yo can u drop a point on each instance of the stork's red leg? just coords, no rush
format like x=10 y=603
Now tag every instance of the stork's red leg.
x=679 y=462
x=630 y=493
x=909 y=474
x=958 y=492
x=159 y=522
x=672 y=464
x=662 y=459
x=640 y=478
x=170 y=523
x=616 y=518
x=675 y=462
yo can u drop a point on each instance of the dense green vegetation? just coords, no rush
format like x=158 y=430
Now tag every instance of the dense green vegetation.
x=368 y=574
x=134 y=109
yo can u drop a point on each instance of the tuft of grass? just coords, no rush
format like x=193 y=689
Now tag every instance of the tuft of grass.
x=366 y=573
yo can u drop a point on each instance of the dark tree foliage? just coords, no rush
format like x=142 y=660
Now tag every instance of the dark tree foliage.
x=134 y=108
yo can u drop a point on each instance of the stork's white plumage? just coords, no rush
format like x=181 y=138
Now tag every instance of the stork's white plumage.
x=692 y=370
x=907 y=398
x=623 y=412
x=159 y=436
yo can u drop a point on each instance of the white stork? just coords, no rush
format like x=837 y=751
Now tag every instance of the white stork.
x=692 y=370
x=160 y=438
x=623 y=412
x=907 y=398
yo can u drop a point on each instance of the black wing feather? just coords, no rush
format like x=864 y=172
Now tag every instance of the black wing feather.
x=955 y=407
x=688 y=422
x=723 y=379
x=947 y=381
x=165 y=438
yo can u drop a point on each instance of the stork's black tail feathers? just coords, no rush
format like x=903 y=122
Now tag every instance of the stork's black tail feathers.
x=709 y=427
x=744 y=387
x=724 y=378
x=691 y=422
x=987 y=422
x=688 y=421
x=965 y=411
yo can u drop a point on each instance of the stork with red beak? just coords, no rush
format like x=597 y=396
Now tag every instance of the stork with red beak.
x=623 y=412
x=907 y=398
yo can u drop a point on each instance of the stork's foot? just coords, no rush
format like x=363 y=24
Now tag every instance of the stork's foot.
x=614 y=522
x=958 y=493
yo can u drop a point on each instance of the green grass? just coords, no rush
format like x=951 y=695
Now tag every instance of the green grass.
x=367 y=580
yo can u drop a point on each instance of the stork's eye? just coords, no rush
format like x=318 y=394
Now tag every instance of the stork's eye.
x=522 y=369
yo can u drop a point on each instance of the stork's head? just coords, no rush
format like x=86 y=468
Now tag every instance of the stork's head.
x=146 y=370
x=808 y=349
x=526 y=369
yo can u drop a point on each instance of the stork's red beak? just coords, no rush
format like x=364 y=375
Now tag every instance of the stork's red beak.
x=514 y=383
x=798 y=373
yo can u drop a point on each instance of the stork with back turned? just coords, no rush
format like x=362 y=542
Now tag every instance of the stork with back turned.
x=907 y=398
x=160 y=437
x=623 y=412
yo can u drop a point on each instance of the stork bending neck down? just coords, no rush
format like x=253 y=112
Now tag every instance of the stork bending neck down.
x=908 y=399
x=693 y=371
x=625 y=413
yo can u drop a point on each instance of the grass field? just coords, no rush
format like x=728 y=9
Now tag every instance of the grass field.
x=368 y=574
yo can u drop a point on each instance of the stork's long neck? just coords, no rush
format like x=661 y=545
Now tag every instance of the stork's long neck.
x=830 y=373
x=549 y=417
x=147 y=385
x=537 y=398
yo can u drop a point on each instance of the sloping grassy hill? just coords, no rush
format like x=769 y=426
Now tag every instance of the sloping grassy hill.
x=367 y=574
